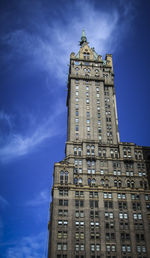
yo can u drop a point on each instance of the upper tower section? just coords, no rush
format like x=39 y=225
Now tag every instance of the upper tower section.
x=92 y=113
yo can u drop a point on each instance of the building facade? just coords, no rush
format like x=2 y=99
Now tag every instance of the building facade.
x=100 y=196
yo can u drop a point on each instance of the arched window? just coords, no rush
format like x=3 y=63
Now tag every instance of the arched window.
x=75 y=150
x=93 y=149
x=102 y=181
x=115 y=183
x=132 y=184
x=128 y=183
x=75 y=180
x=93 y=181
x=79 y=151
x=66 y=177
x=119 y=183
x=61 y=177
x=107 y=182
x=88 y=150
x=80 y=180
x=141 y=184
x=145 y=185
x=89 y=181
x=93 y=163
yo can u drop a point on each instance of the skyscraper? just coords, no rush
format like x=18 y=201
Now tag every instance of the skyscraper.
x=100 y=196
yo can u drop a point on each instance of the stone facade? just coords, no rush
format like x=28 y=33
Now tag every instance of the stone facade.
x=100 y=196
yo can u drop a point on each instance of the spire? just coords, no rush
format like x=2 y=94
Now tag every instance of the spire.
x=83 y=38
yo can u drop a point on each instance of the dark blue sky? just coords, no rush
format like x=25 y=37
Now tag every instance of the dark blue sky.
x=37 y=37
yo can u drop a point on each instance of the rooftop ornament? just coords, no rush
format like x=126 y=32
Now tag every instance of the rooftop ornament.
x=83 y=38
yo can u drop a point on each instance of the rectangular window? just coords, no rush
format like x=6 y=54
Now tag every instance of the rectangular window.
x=107 y=195
x=121 y=196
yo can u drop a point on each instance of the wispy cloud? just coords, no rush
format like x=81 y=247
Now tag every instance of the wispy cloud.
x=29 y=246
x=49 y=49
x=17 y=144
x=3 y=201
x=42 y=198
x=45 y=44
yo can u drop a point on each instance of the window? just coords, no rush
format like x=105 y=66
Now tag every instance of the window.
x=59 y=246
x=102 y=172
x=94 y=214
x=110 y=248
x=121 y=196
x=139 y=237
x=63 y=176
x=122 y=205
x=107 y=195
x=63 y=202
x=124 y=236
x=136 y=206
x=92 y=247
x=80 y=180
x=129 y=173
x=77 y=128
x=88 y=114
x=61 y=222
x=135 y=197
x=77 y=112
x=62 y=234
x=116 y=165
x=117 y=183
x=63 y=192
x=79 y=203
x=124 y=225
x=141 y=249
x=148 y=206
x=109 y=225
x=92 y=224
x=147 y=197
x=93 y=194
x=126 y=248
x=123 y=215
x=137 y=216
x=110 y=236
x=79 y=223
x=128 y=165
x=77 y=247
x=108 y=204
x=86 y=55
x=130 y=184
x=62 y=212
x=109 y=215
x=93 y=204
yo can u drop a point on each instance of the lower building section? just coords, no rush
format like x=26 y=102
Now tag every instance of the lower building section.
x=99 y=223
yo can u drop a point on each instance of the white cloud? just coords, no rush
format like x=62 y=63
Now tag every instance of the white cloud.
x=17 y=144
x=50 y=49
x=3 y=201
x=29 y=247
x=42 y=198
x=5 y=117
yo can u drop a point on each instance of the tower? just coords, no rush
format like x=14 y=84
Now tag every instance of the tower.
x=100 y=196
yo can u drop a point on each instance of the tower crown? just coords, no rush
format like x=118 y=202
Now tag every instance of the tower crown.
x=83 y=38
